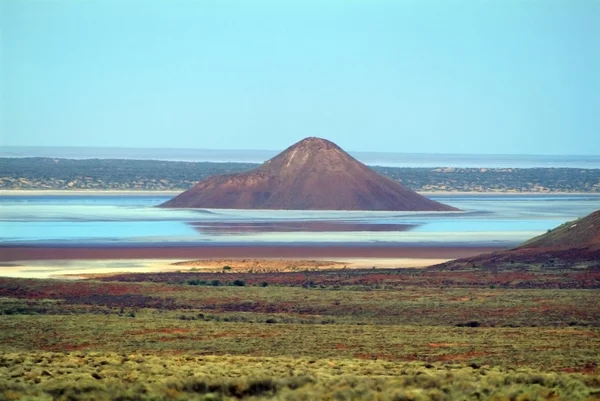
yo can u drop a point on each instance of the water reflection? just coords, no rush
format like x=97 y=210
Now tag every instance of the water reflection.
x=123 y=219
x=296 y=226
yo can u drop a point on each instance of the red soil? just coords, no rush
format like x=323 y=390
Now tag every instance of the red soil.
x=152 y=331
x=8 y=254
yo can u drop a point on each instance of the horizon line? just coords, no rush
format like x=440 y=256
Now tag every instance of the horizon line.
x=7 y=148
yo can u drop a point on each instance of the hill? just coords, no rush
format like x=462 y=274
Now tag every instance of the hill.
x=313 y=174
x=575 y=244
x=584 y=232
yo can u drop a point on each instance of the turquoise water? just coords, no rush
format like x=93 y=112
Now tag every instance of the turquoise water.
x=124 y=219
x=87 y=230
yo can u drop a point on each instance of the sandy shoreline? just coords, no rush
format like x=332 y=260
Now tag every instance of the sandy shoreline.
x=81 y=262
x=82 y=269
x=83 y=192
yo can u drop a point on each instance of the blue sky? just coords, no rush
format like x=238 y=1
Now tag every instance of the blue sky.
x=471 y=76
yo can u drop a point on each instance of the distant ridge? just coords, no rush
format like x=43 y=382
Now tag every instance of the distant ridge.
x=313 y=174
x=390 y=159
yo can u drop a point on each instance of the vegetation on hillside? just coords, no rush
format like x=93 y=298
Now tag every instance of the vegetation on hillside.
x=581 y=232
x=572 y=246
x=103 y=174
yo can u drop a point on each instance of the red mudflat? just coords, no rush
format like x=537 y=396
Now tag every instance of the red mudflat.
x=190 y=252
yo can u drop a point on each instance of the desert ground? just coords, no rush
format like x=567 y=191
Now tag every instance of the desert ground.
x=45 y=262
x=85 y=268
x=296 y=329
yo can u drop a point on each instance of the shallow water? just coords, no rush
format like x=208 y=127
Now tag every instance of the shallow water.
x=132 y=219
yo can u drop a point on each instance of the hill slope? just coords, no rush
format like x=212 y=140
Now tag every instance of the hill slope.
x=581 y=232
x=313 y=174
x=575 y=244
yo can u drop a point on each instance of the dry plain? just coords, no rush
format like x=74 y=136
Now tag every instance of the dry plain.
x=205 y=331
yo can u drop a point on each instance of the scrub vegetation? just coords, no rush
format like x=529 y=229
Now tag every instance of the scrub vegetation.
x=160 y=337
x=92 y=376
x=100 y=174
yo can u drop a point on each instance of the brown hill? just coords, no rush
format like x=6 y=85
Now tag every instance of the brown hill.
x=313 y=174
x=575 y=244
x=578 y=233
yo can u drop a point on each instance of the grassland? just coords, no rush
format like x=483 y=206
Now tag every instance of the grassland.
x=399 y=335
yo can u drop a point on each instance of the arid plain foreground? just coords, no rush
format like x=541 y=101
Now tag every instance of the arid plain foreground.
x=389 y=334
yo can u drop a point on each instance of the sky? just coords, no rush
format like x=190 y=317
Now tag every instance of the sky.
x=470 y=76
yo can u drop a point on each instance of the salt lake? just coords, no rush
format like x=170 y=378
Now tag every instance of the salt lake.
x=83 y=219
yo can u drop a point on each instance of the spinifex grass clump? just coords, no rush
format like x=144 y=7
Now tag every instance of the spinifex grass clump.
x=90 y=376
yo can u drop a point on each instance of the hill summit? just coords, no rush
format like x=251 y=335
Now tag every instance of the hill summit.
x=313 y=174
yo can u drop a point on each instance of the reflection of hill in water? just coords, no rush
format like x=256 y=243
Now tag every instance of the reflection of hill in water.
x=87 y=220
x=296 y=226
